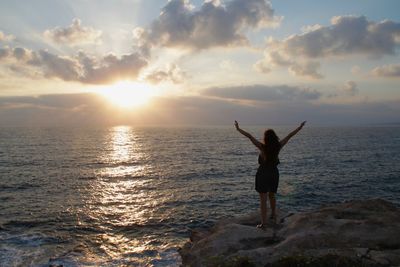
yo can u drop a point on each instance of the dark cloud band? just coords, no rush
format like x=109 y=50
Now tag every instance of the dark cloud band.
x=264 y=93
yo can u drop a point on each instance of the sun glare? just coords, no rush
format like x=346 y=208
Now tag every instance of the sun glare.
x=128 y=94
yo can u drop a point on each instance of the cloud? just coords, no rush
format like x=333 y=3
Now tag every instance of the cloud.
x=350 y=88
x=264 y=93
x=74 y=34
x=356 y=70
x=309 y=69
x=79 y=68
x=172 y=73
x=4 y=52
x=54 y=66
x=20 y=54
x=214 y=24
x=277 y=59
x=262 y=66
x=17 y=53
x=310 y=28
x=56 y=101
x=110 y=68
x=346 y=36
x=304 y=68
x=6 y=38
x=391 y=71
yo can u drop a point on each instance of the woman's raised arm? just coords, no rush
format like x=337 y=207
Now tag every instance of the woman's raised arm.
x=252 y=139
x=287 y=138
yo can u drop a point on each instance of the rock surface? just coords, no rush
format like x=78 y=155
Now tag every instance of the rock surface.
x=355 y=233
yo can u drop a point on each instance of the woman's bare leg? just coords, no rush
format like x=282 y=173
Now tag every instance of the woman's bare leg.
x=263 y=208
x=272 y=203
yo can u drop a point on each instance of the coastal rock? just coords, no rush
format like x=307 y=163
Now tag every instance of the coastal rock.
x=355 y=233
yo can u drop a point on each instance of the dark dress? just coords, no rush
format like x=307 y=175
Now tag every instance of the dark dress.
x=267 y=176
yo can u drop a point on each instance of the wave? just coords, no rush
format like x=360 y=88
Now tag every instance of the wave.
x=105 y=164
x=23 y=186
x=29 y=224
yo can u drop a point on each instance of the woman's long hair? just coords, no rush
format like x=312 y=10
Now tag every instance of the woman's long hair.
x=271 y=146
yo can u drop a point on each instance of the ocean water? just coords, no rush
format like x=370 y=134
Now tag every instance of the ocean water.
x=129 y=196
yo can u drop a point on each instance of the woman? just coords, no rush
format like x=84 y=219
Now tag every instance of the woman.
x=267 y=176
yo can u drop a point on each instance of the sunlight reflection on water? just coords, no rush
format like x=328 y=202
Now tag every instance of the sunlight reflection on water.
x=123 y=144
x=122 y=153
x=120 y=202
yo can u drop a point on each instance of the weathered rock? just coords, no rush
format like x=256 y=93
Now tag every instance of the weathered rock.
x=356 y=233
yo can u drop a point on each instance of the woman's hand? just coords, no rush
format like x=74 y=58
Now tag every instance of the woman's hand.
x=236 y=125
x=287 y=138
x=252 y=139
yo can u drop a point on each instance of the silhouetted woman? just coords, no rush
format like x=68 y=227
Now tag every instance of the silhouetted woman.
x=267 y=176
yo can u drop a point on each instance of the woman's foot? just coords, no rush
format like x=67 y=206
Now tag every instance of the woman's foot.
x=262 y=226
x=273 y=218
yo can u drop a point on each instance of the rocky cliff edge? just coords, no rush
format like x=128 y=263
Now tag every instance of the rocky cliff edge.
x=355 y=233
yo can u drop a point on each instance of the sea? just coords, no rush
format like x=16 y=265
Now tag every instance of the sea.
x=129 y=196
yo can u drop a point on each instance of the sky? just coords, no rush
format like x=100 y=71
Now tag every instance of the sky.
x=194 y=62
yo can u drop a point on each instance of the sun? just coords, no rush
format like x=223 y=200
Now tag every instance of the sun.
x=128 y=94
